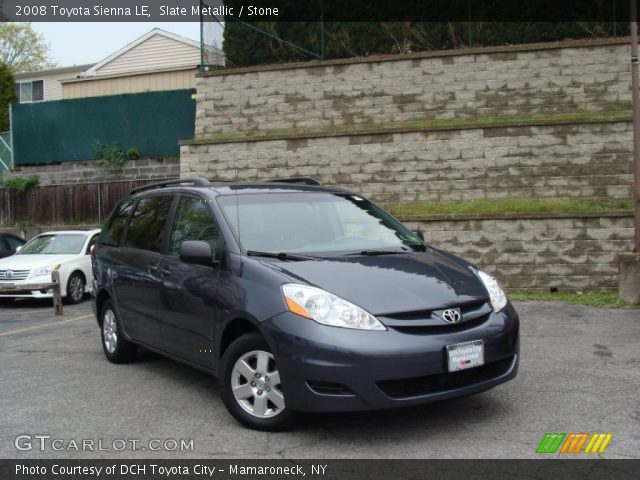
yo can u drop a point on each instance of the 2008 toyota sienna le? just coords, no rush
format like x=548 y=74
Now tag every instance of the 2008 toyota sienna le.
x=298 y=297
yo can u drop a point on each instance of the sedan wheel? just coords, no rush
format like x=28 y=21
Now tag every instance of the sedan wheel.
x=75 y=288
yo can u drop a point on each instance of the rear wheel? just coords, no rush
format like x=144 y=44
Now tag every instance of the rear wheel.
x=116 y=348
x=250 y=385
x=75 y=288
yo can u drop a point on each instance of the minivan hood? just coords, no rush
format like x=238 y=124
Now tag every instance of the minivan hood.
x=391 y=283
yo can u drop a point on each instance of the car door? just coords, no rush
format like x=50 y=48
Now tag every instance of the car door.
x=136 y=284
x=186 y=309
x=85 y=263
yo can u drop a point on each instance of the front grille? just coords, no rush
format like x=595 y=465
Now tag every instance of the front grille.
x=440 y=382
x=465 y=309
x=474 y=313
x=8 y=275
x=444 y=328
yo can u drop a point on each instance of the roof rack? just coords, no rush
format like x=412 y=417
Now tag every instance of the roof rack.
x=197 y=182
x=305 y=180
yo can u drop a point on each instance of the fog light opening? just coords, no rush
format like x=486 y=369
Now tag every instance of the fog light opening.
x=330 y=388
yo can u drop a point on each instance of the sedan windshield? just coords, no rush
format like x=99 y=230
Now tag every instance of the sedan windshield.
x=64 y=244
x=314 y=223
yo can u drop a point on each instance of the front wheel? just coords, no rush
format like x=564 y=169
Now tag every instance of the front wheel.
x=75 y=288
x=250 y=385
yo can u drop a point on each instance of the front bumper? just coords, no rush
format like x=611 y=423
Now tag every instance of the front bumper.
x=25 y=293
x=329 y=369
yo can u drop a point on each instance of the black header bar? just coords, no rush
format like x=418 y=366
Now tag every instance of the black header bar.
x=224 y=469
x=598 y=11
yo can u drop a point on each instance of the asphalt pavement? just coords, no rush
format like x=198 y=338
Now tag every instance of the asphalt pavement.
x=579 y=372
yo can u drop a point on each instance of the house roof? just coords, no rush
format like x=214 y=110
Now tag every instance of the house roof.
x=156 y=31
x=79 y=79
x=53 y=71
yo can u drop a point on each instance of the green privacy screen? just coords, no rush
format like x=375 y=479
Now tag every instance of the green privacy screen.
x=72 y=130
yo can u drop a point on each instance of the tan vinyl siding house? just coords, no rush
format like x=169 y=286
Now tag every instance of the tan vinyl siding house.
x=130 y=83
x=156 y=61
x=158 y=52
x=50 y=88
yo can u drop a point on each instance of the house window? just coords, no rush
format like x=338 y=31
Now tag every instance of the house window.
x=30 y=91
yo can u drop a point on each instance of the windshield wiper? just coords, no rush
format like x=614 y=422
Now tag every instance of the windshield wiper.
x=280 y=255
x=372 y=253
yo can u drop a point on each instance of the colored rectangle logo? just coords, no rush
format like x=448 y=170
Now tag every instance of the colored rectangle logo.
x=575 y=442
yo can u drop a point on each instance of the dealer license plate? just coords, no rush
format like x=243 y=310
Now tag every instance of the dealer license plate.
x=465 y=355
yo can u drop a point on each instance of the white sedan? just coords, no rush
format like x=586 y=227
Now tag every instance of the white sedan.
x=35 y=261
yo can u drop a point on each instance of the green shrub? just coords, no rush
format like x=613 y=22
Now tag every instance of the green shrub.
x=133 y=154
x=110 y=157
x=20 y=184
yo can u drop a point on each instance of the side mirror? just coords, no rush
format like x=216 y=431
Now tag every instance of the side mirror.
x=18 y=248
x=196 y=252
x=419 y=234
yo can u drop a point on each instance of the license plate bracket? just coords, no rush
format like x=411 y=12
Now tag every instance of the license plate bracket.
x=461 y=356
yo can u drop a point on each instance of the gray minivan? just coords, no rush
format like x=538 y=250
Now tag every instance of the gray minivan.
x=298 y=297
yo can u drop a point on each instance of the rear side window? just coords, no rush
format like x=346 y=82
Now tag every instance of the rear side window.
x=113 y=233
x=146 y=229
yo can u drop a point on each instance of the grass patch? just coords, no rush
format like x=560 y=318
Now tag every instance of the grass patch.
x=517 y=119
x=506 y=205
x=603 y=299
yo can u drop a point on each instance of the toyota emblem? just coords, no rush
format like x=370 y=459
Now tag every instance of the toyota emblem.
x=452 y=315
x=8 y=274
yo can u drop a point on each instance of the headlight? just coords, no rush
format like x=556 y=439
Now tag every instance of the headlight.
x=43 y=271
x=323 y=307
x=497 y=296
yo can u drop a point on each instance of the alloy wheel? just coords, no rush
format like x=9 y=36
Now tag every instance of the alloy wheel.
x=109 y=331
x=255 y=383
x=76 y=288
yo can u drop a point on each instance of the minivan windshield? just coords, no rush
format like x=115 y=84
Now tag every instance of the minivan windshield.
x=62 y=244
x=313 y=222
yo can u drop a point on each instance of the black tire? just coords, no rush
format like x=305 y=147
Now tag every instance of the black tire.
x=281 y=418
x=75 y=288
x=122 y=350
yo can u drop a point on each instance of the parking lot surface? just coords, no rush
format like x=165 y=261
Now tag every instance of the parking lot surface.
x=579 y=372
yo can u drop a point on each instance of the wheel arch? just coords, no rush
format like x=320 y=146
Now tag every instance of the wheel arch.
x=78 y=271
x=101 y=299
x=233 y=330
